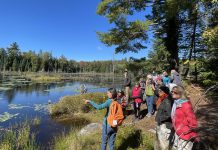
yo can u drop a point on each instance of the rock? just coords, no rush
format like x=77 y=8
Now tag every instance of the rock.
x=92 y=127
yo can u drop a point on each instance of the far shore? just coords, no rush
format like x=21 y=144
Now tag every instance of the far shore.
x=48 y=77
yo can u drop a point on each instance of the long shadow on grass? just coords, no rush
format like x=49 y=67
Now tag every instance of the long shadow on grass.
x=132 y=141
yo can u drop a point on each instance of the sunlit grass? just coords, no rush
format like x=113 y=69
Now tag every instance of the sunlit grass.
x=19 y=138
x=128 y=137
x=71 y=105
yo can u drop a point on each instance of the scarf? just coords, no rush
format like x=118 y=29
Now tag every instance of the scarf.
x=160 y=99
x=175 y=104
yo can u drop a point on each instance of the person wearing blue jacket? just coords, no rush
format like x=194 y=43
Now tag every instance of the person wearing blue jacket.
x=108 y=132
x=166 y=78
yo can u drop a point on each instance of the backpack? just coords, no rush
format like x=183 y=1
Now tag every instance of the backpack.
x=149 y=91
x=115 y=117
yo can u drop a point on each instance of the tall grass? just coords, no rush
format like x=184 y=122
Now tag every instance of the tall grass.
x=18 y=139
x=69 y=105
x=128 y=137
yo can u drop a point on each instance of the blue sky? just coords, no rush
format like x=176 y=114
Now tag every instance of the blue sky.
x=65 y=27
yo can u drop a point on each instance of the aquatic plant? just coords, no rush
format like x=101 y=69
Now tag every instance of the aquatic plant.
x=36 y=121
x=20 y=139
x=5 y=88
x=7 y=116
x=41 y=108
x=17 y=106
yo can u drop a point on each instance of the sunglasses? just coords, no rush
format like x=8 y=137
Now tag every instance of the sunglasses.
x=173 y=92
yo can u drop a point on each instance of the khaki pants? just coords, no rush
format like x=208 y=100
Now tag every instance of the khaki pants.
x=180 y=144
x=127 y=91
x=163 y=135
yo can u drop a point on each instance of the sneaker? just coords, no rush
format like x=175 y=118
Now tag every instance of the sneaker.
x=148 y=115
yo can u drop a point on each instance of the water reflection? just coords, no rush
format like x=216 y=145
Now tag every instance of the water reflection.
x=30 y=101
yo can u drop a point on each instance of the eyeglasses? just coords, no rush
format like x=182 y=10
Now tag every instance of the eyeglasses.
x=173 y=92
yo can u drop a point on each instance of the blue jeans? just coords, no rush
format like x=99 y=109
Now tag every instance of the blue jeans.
x=108 y=133
x=150 y=100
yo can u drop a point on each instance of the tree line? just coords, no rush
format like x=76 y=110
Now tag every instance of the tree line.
x=14 y=59
x=185 y=33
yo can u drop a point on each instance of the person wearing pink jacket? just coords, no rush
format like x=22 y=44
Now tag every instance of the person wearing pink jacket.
x=137 y=99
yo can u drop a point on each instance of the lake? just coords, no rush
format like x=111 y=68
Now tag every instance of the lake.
x=31 y=101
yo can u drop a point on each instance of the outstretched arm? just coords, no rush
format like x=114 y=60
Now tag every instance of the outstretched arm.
x=99 y=106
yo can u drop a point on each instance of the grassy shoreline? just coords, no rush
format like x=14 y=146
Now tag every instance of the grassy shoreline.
x=48 y=77
x=71 y=107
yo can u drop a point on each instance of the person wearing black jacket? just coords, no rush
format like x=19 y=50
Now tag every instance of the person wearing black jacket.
x=163 y=119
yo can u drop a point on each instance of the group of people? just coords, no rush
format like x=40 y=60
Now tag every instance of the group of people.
x=166 y=99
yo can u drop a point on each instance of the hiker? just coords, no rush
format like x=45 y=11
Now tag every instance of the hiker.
x=109 y=128
x=166 y=78
x=183 y=120
x=121 y=99
x=163 y=119
x=83 y=89
x=159 y=83
x=137 y=97
x=142 y=85
x=149 y=92
x=175 y=77
x=127 y=84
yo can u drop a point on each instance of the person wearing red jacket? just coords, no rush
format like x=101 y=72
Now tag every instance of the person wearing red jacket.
x=137 y=97
x=183 y=120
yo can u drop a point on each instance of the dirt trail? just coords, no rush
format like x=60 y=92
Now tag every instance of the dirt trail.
x=207 y=116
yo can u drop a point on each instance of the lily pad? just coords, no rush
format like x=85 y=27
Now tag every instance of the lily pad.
x=5 y=88
x=7 y=116
x=14 y=106
x=58 y=89
x=41 y=107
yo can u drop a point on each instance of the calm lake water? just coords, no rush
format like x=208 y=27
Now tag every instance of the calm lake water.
x=31 y=101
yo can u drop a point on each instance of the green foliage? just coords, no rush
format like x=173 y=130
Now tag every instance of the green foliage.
x=128 y=137
x=159 y=56
x=14 y=60
x=126 y=35
x=21 y=139
x=70 y=105
x=208 y=78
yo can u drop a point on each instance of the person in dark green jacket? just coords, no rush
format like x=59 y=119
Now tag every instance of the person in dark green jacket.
x=108 y=132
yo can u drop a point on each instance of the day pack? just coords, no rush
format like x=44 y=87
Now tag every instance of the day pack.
x=115 y=117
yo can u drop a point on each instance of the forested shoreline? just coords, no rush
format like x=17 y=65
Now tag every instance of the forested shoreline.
x=13 y=58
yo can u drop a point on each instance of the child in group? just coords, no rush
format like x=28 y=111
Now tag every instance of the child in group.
x=137 y=97
x=108 y=132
